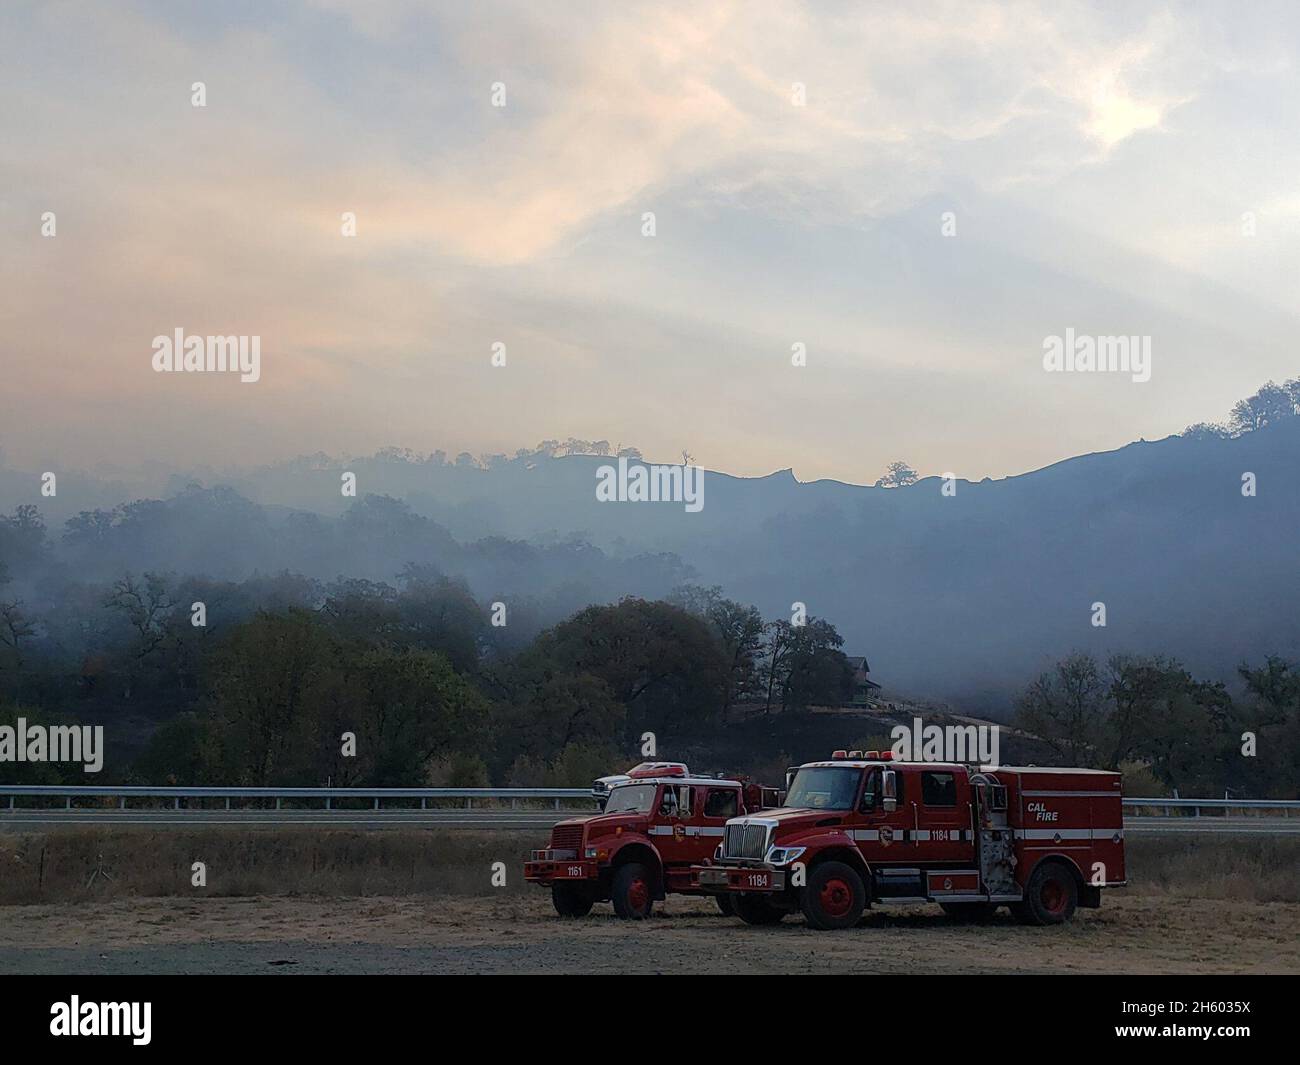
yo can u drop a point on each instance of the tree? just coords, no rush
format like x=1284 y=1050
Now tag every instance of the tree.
x=780 y=640
x=1271 y=404
x=438 y=613
x=147 y=606
x=897 y=475
x=410 y=707
x=1065 y=708
x=819 y=673
x=15 y=629
x=1205 y=431
x=268 y=684
x=22 y=537
x=659 y=662
x=1273 y=718
x=804 y=665
x=738 y=628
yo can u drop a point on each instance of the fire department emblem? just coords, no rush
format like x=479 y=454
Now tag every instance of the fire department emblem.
x=679 y=832
x=886 y=836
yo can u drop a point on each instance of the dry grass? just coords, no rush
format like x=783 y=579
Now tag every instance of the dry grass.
x=1241 y=868
x=56 y=866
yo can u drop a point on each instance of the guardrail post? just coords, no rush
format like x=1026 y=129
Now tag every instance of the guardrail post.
x=557 y=802
x=514 y=803
x=68 y=804
x=176 y=803
x=277 y=802
x=329 y=802
x=376 y=802
x=469 y=802
x=227 y=802
x=121 y=803
x=424 y=802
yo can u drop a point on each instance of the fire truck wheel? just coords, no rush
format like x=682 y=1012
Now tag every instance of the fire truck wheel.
x=724 y=904
x=1051 y=896
x=570 y=900
x=969 y=912
x=833 y=897
x=757 y=910
x=633 y=891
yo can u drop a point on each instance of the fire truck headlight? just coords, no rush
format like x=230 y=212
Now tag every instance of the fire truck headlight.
x=717 y=853
x=591 y=852
x=784 y=855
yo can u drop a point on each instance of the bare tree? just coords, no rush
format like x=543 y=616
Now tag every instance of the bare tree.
x=146 y=606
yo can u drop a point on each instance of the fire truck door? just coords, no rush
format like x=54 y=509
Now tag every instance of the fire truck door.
x=943 y=831
x=677 y=814
x=690 y=821
x=881 y=834
x=995 y=849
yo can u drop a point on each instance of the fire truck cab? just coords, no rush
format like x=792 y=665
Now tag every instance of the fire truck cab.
x=862 y=830
x=652 y=830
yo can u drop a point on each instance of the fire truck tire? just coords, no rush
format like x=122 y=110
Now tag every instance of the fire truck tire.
x=834 y=896
x=725 y=905
x=632 y=891
x=570 y=900
x=1050 y=897
x=969 y=912
x=757 y=910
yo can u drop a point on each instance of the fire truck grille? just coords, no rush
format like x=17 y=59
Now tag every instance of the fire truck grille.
x=745 y=841
x=566 y=838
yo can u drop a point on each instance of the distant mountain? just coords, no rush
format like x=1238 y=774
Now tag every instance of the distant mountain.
x=962 y=596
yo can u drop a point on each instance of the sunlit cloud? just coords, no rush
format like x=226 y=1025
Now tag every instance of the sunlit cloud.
x=1098 y=163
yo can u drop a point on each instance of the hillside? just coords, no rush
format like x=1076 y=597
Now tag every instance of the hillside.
x=960 y=596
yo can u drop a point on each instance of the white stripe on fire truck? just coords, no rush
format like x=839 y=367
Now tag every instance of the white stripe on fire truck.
x=908 y=835
x=955 y=836
x=1069 y=794
x=691 y=830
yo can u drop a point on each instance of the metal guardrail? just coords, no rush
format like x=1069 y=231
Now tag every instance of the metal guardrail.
x=555 y=795
x=376 y=795
x=1197 y=805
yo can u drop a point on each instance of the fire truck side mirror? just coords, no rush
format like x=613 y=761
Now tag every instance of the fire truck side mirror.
x=889 y=791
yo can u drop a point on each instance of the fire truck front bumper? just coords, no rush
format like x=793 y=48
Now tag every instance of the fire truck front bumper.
x=547 y=867
x=725 y=879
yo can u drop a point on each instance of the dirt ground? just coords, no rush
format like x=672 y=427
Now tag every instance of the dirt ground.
x=521 y=934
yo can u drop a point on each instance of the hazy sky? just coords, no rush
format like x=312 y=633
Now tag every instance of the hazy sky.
x=1098 y=160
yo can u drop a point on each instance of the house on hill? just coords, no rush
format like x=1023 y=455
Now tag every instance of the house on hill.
x=863 y=685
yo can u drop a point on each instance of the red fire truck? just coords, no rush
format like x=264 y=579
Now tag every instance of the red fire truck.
x=862 y=830
x=653 y=829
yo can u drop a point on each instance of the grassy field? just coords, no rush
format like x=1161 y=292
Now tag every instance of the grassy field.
x=60 y=865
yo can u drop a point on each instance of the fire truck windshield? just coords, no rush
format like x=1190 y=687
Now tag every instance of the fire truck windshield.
x=824 y=788
x=632 y=798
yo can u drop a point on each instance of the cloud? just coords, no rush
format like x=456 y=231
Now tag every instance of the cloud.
x=1091 y=154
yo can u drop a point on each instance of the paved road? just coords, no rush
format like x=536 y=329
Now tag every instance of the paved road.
x=19 y=820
